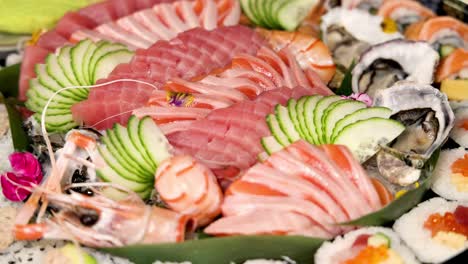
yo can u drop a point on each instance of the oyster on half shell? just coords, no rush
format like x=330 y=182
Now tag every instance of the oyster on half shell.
x=428 y=118
x=384 y=64
x=347 y=33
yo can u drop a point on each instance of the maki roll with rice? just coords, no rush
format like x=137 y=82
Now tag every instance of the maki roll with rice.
x=459 y=133
x=451 y=175
x=436 y=230
x=404 y=12
x=372 y=245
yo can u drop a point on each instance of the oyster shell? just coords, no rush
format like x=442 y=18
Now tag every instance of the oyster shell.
x=428 y=118
x=367 y=5
x=347 y=33
x=387 y=63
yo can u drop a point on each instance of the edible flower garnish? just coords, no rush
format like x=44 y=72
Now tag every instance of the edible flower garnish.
x=179 y=99
x=35 y=37
x=26 y=172
x=360 y=97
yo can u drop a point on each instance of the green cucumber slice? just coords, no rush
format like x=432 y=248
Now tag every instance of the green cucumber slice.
x=87 y=60
x=132 y=152
x=106 y=173
x=291 y=14
x=114 y=163
x=286 y=124
x=245 y=4
x=102 y=50
x=55 y=71
x=77 y=59
x=379 y=239
x=154 y=141
x=46 y=94
x=271 y=145
x=364 y=137
x=47 y=81
x=258 y=11
x=336 y=113
x=308 y=116
x=64 y=60
x=362 y=114
x=319 y=111
x=292 y=109
x=132 y=129
x=116 y=149
x=107 y=63
x=276 y=130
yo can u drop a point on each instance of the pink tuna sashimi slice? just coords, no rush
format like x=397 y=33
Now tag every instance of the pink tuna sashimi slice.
x=87 y=17
x=32 y=56
x=252 y=121
x=259 y=222
x=182 y=42
x=286 y=183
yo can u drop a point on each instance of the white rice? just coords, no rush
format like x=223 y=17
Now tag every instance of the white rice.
x=342 y=244
x=458 y=133
x=442 y=184
x=410 y=227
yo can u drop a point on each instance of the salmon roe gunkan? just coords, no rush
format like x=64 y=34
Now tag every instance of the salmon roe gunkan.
x=461 y=166
x=370 y=255
x=446 y=223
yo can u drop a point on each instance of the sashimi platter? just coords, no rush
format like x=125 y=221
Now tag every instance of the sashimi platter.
x=231 y=132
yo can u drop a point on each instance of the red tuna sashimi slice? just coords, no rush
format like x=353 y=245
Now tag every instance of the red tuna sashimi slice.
x=32 y=56
x=259 y=222
x=99 y=13
x=294 y=185
x=341 y=155
x=318 y=159
x=244 y=203
x=228 y=32
x=173 y=127
x=123 y=7
x=50 y=40
x=116 y=107
x=72 y=22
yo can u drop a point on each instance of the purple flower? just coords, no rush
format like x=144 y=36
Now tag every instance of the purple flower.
x=26 y=172
x=360 y=97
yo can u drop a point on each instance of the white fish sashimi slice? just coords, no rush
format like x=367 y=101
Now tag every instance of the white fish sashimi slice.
x=221 y=91
x=232 y=18
x=172 y=112
x=168 y=13
x=149 y=18
x=115 y=31
x=90 y=34
x=131 y=24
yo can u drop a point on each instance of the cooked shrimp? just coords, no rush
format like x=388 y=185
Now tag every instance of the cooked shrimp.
x=189 y=187
x=98 y=221
x=310 y=52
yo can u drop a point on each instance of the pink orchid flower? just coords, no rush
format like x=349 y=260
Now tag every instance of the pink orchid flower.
x=360 y=97
x=26 y=173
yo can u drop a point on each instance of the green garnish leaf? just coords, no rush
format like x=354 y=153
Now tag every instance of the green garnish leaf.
x=404 y=203
x=224 y=250
x=346 y=87
x=18 y=134
x=9 y=77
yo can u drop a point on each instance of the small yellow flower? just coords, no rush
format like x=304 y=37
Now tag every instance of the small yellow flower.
x=35 y=37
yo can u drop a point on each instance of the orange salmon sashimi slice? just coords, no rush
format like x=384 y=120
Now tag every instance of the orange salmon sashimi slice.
x=452 y=64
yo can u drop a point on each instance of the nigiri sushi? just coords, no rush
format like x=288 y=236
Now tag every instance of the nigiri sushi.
x=451 y=175
x=367 y=245
x=436 y=230
x=404 y=12
x=454 y=66
x=444 y=33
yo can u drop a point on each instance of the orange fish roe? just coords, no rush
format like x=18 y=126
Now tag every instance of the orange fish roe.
x=370 y=255
x=461 y=166
x=447 y=223
x=464 y=124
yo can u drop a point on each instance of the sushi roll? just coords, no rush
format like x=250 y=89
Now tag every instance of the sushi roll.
x=404 y=12
x=436 y=230
x=451 y=175
x=380 y=244
x=454 y=66
x=445 y=34
x=459 y=133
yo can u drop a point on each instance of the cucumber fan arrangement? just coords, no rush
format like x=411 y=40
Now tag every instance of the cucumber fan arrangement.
x=163 y=131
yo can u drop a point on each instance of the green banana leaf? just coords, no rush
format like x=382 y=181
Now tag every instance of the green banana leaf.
x=346 y=87
x=225 y=250
x=404 y=203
